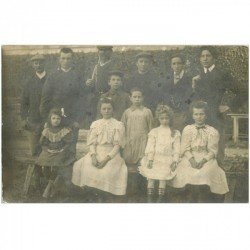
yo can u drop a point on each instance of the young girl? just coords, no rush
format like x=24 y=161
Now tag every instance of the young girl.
x=138 y=121
x=103 y=168
x=56 y=156
x=199 y=147
x=161 y=154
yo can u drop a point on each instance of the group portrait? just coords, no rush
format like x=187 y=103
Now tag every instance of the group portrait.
x=125 y=124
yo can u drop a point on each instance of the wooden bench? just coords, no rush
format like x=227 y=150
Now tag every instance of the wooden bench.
x=236 y=118
x=28 y=161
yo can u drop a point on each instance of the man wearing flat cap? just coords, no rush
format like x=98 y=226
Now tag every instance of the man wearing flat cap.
x=145 y=79
x=100 y=77
x=30 y=102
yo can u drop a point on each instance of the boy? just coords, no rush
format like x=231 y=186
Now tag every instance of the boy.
x=30 y=102
x=177 y=91
x=146 y=79
x=119 y=97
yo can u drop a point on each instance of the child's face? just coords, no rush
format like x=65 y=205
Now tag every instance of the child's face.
x=206 y=59
x=136 y=98
x=55 y=120
x=143 y=64
x=199 y=116
x=164 y=119
x=177 y=65
x=106 y=110
x=115 y=82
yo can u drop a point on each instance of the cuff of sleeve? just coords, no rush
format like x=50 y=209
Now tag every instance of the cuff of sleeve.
x=209 y=156
x=188 y=155
x=150 y=157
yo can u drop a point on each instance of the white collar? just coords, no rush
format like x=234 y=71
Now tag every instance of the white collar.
x=102 y=64
x=41 y=75
x=66 y=70
x=209 y=69
x=180 y=75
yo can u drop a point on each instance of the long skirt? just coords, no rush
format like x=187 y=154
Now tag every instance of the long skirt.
x=210 y=174
x=111 y=178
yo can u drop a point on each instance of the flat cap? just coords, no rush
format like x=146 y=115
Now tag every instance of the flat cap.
x=37 y=57
x=144 y=55
x=116 y=73
x=105 y=47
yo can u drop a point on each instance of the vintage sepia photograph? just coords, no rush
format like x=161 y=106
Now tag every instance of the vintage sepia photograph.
x=125 y=124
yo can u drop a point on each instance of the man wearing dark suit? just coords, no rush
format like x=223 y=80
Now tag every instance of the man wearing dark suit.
x=30 y=102
x=177 y=92
x=214 y=86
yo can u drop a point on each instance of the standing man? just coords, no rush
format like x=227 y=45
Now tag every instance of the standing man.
x=30 y=102
x=64 y=90
x=146 y=79
x=100 y=78
x=212 y=85
x=177 y=91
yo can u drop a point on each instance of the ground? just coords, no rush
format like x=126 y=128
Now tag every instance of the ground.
x=235 y=164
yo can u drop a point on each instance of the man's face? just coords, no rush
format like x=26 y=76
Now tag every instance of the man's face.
x=38 y=65
x=143 y=64
x=177 y=65
x=104 y=54
x=199 y=116
x=115 y=82
x=66 y=60
x=206 y=59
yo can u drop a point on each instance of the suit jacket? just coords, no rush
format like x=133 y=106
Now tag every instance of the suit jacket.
x=178 y=96
x=64 y=90
x=212 y=89
x=31 y=98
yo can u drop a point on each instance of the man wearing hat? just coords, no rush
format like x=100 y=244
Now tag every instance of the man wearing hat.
x=145 y=79
x=64 y=89
x=119 y=97
x=30 y=102
x=100 y=78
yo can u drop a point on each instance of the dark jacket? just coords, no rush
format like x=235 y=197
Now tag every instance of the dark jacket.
x=150 y=84
x=31 y=98
x=178 y=96
x=212 y=88
x=64 y=90
x=121 y=102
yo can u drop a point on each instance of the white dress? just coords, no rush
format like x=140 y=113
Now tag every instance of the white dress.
x=105 y=138
x=200 y=143
x=163 y=149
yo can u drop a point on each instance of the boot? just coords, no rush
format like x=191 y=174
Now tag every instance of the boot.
x=150 y=195
x=161 y=192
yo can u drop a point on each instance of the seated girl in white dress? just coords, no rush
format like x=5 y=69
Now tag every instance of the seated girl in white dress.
x=161 y=153
x=199 y=147
x=103 y=168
